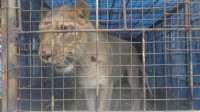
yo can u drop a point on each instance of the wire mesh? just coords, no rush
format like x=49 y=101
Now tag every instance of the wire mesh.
x=165 y=34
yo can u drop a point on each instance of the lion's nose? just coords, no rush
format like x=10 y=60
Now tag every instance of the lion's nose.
x=45 y=54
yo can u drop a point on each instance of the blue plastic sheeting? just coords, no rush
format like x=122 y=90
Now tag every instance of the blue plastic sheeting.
x=163 y=71
x=140 y=13
x=28 y=44
x=144 y=13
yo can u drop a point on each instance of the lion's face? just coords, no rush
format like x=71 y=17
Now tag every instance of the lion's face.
x=58 y=41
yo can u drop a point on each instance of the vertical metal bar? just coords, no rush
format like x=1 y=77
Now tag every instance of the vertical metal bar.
x=124 y=14
x=4 y=56
x=52 y=69
x=19 y=15
x=97 y=14
x=177 y=59
x=143 y=60
x=41 y=71
x=75 y=73
x=143 y=68
x=191 y=72
x=131 y=64
x=9 y=56
x=154 y=69
x=30 y=55
x=97 y=39
x=165 y=55
x=154 y=60
x=189 y=50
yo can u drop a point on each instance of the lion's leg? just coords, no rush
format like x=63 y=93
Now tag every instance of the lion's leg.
x=133 y=79
x=90 y=99
x=105 y=98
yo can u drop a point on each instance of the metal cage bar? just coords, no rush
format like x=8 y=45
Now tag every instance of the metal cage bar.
x=165 y=34
x=9 y=57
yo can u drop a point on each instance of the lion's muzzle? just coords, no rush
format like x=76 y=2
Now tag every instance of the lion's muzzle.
x=45 y=55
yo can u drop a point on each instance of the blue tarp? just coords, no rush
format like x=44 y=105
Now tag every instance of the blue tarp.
x=135 y=8
x=163 y=70
x=145 y=13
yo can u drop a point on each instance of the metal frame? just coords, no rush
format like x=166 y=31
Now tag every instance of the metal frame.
x=148 y=43
x=9 y=85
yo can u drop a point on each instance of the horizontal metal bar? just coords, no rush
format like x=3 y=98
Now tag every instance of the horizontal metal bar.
x=126 y=111
x=105 y=100
x=121 y=88
x=112 y=30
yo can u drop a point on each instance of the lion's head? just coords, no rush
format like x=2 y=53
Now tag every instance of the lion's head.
x=58 y=38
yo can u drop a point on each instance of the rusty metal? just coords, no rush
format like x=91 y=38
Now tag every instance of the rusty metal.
x=124 y=14
x=143 y=72
x=97 y=52
x=165 y=50
x=188 y=50
x=4 y=57
x=10 y=81
x=147 y=47
x=109 y=30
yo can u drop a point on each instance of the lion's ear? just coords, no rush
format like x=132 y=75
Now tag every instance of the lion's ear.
x=82 y=9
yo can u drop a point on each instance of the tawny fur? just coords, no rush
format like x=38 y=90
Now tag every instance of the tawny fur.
x=99 y=61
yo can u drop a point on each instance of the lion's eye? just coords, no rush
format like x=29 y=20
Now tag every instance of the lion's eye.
x=69 y=27
x=63 y=27
x=44 y=25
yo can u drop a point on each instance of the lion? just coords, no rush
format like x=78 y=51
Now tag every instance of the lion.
x=97 y=59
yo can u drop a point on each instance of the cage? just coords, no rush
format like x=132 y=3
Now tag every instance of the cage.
x=153 y=45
